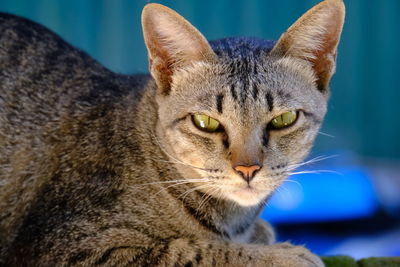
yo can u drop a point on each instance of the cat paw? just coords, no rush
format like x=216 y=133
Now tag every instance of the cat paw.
x=285 y=254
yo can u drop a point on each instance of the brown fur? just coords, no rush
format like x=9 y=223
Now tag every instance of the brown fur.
x=98 y=168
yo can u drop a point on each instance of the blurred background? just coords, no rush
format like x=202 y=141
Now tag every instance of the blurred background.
x=351 y=205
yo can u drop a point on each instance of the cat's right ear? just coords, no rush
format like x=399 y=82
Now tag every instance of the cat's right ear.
x=172 y=43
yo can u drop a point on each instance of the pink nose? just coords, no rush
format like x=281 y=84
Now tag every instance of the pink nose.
x=247 y=172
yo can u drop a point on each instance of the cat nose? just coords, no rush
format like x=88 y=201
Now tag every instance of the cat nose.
x=247 y=172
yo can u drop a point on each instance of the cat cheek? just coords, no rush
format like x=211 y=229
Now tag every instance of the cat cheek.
x=187 y=152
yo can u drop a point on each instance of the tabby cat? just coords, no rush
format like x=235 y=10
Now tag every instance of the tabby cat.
x=167 y=169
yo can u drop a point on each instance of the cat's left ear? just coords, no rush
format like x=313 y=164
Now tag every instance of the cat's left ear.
x=172 y=43
x=315 y=37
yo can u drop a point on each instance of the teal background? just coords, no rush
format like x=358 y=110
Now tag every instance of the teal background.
x=363 y=113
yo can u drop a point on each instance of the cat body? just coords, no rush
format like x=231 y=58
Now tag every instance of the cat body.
x=109 y=169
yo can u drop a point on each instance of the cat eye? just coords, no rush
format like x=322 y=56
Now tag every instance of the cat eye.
x=284 y=120
x=206 y=123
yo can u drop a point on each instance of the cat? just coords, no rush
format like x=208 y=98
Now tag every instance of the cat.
x=166 y=169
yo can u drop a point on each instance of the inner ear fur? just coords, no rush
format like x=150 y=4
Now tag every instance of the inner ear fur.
x=314 y=37
x=172 y=43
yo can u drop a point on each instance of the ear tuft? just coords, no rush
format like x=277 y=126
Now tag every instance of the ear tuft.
x=172 y=43
x=315 y=37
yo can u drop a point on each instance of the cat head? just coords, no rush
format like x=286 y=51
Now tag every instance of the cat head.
x=239 y=114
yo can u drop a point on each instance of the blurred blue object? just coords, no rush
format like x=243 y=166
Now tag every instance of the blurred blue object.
x=384 y=244
x=344 y=194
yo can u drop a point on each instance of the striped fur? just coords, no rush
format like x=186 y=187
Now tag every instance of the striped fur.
x=98 y=168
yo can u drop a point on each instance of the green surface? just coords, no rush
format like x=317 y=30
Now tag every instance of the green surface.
x=346 y=261
x=384 y=262
x=342 y=261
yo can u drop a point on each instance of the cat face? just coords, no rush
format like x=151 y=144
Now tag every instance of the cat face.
x=244 y=108
x=223 y=107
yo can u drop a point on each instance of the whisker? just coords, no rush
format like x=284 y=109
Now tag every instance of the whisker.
x=279 y=191
x=315 y=172
x=173 y=181
x=177 y=160
x=326 y=134
x=176 y=184
x=187 y=192
x=207 y=196
x=291 y=167
x=219 y=195
x=182 y=163
x=289 y=194
x=295 y=182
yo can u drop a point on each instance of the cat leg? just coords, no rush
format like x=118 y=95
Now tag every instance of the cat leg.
x=191 y=252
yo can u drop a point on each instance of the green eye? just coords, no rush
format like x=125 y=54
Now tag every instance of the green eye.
x=206 y=123
x=284 y=120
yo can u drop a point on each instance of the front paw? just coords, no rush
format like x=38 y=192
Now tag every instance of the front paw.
x=287 y=255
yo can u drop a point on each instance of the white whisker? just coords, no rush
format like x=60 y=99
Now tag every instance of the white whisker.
x=309 y=162
x=279 y=191
x=187 y=192
x=172 y=181
x=326 y=134
x=172 y=157
x=295 y=182
x=207 y=196
x=315 y=172
x=205 y=180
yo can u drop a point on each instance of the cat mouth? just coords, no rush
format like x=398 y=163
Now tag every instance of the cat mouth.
x=246 y=191
x=247 y=195
x=248 y=187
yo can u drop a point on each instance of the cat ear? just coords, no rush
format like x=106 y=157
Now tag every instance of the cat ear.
x=315 y=37
x=172 y=43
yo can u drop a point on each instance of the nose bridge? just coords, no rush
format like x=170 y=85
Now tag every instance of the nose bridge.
x=245 y=149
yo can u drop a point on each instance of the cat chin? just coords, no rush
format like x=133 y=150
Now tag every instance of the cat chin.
x=247 y=197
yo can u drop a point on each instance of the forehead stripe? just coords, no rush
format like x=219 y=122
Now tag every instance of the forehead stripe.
x=270 y=101
x=233 y=91
x=245 y=88
x=220 y=99
x=255 y=91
